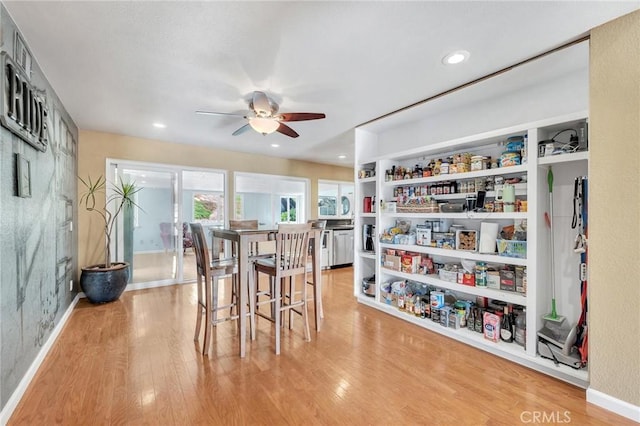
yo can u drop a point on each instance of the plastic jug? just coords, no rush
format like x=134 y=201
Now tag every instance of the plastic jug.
x=508 y=196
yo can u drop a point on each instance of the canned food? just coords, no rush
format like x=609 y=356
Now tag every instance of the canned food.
x=498 y=206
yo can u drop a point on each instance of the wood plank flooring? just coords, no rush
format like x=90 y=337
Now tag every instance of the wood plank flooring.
x=134 y=362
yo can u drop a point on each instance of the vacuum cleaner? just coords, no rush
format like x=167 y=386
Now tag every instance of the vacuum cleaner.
x=557 y=343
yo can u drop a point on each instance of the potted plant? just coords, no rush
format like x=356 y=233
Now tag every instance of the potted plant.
x=106 y=281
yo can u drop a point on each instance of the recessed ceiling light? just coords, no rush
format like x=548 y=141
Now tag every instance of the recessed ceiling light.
x=456 y=57
x=275 y=145
x=342 y=156
x=159 y=125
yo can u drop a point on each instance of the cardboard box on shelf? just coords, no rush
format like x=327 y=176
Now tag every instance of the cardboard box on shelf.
x=493 y=280
x=410 y=263
x=391 y=262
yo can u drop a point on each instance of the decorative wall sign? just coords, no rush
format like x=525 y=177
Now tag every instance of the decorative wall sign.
x=23 y=110
x=23 y=176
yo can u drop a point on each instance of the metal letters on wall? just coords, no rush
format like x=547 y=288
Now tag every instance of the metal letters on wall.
x=23 y=110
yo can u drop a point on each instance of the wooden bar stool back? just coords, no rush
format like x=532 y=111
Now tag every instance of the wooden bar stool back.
x=209 y=272
x=290 y=260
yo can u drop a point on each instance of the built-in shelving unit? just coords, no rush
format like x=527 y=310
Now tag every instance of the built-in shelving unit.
x=532 y=189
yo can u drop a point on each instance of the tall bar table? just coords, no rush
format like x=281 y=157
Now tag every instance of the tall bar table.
x=245 y=238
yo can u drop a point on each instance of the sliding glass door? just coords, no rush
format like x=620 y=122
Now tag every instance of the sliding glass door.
x=155 y=236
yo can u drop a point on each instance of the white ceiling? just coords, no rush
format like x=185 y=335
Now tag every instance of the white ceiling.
x=120 y=66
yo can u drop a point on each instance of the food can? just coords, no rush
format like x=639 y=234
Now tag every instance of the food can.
x=498 y=206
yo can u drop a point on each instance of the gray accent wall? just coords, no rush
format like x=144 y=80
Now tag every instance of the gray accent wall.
x=37 y=245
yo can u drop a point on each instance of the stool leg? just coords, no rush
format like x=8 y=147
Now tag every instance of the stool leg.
x=207 y=318
x=214 y=307
x=199 y=305
x=252 y=304
x=292 y=299
x=305 y=313
x=276 y=303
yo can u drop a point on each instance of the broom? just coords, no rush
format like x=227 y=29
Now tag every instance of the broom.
x=553 y=315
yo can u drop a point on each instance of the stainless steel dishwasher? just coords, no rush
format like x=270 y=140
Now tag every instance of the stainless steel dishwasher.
x=342 y=247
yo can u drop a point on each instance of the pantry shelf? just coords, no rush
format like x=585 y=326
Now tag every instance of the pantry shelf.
x=500 y=171
x=464 y=215
x=506 y=296
x=510 y=351
x=400 y=210
x=564 y=158
x=367 y=179
x=458 y=254
x=367 y=255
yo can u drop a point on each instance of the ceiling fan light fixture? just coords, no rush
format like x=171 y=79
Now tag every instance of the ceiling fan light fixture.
x=264 y=125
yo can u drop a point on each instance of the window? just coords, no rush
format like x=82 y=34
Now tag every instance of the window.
x=270 y=199
x=288 y=210
x=208 y=207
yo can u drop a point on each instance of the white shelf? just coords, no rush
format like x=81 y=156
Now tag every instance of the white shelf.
x=564 y=158
x=463 y=215
x=367 y=255
x=510 y=351
x=458 y=254
x=367 y=180
x=506 y=296
x=367 y=214
x=460 y=176
x=520 y=191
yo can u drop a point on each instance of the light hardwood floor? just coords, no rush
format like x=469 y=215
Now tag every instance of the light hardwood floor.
x=134 y=362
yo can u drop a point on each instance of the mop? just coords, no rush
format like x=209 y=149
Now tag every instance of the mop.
x=555 y=341
x=553 y=315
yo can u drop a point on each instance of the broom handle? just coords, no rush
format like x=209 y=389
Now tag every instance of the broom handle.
x=553 y=275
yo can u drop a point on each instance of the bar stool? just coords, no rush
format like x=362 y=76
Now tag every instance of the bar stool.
x=209 y=272
x=318 y=310
x=290 y=260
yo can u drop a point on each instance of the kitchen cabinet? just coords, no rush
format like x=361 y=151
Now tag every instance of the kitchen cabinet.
x=400 y=201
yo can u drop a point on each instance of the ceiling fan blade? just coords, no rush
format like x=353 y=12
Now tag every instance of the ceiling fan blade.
x=286 y=130
x=220 y=113
x=261 y=103
x=241 y=130
x=301 y=116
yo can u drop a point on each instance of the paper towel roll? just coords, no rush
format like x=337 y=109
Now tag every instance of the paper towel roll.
x=488 y=235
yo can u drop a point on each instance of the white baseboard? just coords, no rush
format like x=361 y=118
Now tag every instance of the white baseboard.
x=150 y=284
x=612 y=404
x=17 y=395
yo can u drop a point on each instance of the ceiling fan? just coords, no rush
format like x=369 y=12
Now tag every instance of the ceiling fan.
x=264 y=117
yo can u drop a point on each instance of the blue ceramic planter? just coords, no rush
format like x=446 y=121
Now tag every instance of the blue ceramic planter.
x=102 y=285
